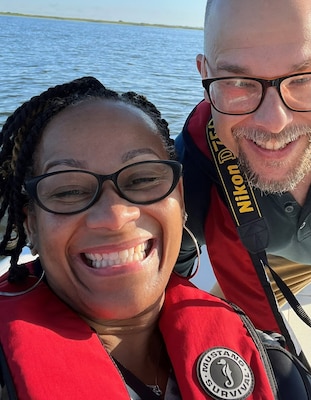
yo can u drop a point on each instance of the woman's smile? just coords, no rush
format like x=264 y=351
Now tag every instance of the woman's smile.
x=118 y=258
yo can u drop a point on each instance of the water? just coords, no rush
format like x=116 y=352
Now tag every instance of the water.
x=157 y=62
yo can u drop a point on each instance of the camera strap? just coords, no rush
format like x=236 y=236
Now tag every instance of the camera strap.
x=6 y=381
x=246 y=213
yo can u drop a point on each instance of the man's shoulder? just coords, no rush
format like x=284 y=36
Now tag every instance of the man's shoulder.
x=192 y=139
x=198 y=119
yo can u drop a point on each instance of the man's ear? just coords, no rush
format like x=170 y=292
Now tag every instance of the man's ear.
x=201 y=65
x=202 y=68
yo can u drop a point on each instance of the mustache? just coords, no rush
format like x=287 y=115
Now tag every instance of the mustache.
x=289 y=134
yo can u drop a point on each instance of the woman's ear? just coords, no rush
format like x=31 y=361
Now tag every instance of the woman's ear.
x=30 y=229
x=180 y=187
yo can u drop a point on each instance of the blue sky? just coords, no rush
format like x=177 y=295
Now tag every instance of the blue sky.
x=169 y=12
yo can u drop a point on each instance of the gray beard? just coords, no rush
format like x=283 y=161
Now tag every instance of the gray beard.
x=300 y=170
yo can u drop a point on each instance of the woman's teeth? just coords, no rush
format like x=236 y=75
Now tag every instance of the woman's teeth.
x=137 y=253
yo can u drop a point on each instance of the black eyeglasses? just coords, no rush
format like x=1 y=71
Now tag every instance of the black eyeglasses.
x=239 y=95
x=74 y=191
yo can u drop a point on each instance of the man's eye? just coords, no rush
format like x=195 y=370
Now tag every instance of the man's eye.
x=238 y=84
x=301 y=81
x=244 y=84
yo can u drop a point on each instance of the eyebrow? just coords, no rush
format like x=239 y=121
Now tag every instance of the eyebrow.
x=240 y=70
x=71 y=162
x=137 y=152
x=235 y=69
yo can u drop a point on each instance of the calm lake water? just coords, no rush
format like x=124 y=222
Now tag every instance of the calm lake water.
x=157 y=62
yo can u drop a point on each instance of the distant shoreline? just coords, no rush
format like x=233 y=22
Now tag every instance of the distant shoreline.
x=10 y=14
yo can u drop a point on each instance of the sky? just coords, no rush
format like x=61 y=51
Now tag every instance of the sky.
x=167 y=12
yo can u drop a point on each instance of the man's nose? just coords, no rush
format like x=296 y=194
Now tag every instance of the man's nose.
x=273 y=115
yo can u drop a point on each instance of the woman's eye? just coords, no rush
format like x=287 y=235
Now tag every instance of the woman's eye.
x=69 y=194
x=142 y=182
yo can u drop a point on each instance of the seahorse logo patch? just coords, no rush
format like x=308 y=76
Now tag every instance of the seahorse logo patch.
x=224 y=374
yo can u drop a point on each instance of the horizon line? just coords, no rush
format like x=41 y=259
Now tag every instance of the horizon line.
x=120 y=22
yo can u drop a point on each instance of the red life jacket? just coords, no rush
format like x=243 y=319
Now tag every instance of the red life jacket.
x=53 y=354
x=231 y=262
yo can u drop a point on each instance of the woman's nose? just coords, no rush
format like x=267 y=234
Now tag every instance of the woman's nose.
x=111 y=211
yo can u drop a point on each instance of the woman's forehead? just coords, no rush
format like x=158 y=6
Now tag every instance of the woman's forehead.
x=96 y=133
x=99 y=116
x=110 y=109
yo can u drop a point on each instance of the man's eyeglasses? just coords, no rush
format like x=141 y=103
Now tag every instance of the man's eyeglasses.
x=239 y=95
x=74 y=191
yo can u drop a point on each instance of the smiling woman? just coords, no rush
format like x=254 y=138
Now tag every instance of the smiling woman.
x=90 y=182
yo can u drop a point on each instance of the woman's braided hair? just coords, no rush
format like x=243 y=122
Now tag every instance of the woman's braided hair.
x=19 y=138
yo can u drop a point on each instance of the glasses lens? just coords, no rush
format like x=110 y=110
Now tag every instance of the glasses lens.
x=67 y=192
x=235 y=95
x=147 y=182
x=296 y=92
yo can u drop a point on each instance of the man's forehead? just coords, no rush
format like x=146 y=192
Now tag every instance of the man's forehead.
x=250 y=36
x=257 y=15
x=261 y=62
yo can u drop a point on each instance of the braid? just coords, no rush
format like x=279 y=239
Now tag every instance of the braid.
x=19 y=138
x=150 y=109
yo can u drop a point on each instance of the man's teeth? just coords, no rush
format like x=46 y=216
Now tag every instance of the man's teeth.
x=137 y=253
x=271 y=145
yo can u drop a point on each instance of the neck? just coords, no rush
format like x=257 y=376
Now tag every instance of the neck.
x=136 y=329
x=130 y=344
x=143 y=354
x=138 y=345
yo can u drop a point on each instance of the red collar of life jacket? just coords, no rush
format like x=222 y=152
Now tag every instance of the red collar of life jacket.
x=53 y=354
